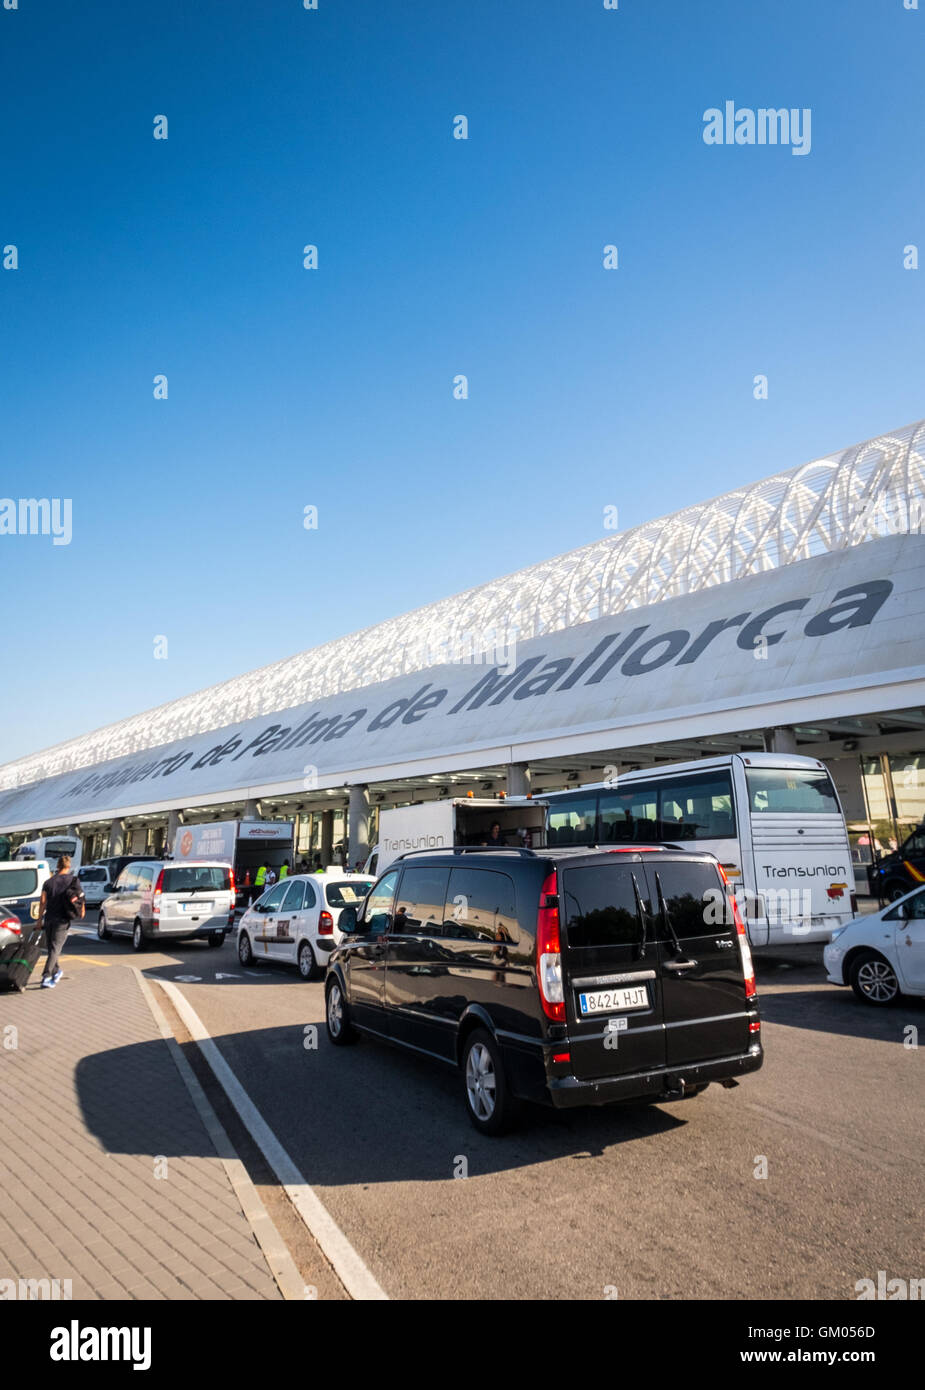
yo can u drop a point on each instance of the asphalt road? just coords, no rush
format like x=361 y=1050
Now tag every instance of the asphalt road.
x=637 y=1202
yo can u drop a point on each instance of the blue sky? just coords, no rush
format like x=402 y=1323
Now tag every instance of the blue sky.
x=333 y=387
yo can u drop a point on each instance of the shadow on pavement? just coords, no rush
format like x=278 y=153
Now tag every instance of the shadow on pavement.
x=835 y=1009
x=363 y=1115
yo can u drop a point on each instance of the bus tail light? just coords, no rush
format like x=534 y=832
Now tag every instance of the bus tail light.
x=325 y=924
x=549 y=953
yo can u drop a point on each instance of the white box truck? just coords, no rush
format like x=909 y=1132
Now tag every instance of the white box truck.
x=244 y=844
x=463 y=820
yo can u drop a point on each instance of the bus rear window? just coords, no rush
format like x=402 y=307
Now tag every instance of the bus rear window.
x=784 y=789
x=18 y=883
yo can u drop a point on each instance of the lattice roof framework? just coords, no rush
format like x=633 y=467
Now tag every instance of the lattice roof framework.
x=875 y=488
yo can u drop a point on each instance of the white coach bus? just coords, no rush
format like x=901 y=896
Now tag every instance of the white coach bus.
x=50 y=847
x=773 y=821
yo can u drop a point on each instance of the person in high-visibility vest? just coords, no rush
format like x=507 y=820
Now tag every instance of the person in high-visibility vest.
x=260 y=880
x=284 y=871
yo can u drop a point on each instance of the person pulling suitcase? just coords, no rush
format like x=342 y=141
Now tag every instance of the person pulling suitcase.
x=61 y=904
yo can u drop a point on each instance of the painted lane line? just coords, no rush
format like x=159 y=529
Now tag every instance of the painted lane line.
x=353 y=1273
x=275 y=1251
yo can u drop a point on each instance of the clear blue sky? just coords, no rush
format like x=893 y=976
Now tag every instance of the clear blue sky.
x=333 y=387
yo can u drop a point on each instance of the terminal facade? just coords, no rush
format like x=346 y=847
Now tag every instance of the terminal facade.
x=786 y=616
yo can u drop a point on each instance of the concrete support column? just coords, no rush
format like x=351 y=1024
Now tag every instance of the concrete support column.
x=117 y=837
x=780 y=741
x=327 y=837
x=518 y=779
x=358 y=824
x=174 y=821
x=251 y=810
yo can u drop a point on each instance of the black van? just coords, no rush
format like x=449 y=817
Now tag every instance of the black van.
x=567 y=977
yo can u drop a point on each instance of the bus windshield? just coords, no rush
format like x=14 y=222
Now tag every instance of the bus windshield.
x=790 y=790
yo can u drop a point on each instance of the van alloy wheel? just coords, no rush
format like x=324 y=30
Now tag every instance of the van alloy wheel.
x=307 y=966
x=337 y=1016
x=102 y=930
x=138 y=939
x=481 y=1082
x=245 y=953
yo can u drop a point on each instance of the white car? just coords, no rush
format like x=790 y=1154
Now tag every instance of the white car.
x=94 y=880
x=881 y=956
x=295 y=921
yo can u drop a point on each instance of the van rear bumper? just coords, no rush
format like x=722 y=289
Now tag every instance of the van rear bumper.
x=662 y=1084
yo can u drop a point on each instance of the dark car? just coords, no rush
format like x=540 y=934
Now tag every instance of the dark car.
x=567 y=977
x=117 y=862
x=894 y=875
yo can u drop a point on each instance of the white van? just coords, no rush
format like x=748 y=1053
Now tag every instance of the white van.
x=156 y=900
x=21 y=883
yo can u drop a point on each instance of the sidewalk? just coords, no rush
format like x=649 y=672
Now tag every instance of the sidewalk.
x=109 y=1177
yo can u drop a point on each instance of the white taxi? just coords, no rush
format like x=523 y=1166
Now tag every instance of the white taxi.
x=295 y=921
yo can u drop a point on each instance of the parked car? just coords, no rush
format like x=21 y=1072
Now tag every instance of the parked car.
x=892 y=875
x=94 y=879
x=566 y=977
x=882 y=955
x=158 y=900
x=296 y=921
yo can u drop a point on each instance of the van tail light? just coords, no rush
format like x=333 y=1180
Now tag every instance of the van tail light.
x=549 y=953
x=231 y=886
x=158 y=894
x=748 y=969
x=325 y=924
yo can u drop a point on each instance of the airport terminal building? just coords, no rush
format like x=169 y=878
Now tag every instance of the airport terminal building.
x=787 y=615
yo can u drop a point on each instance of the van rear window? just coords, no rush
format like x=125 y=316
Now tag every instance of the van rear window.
x=193 y=879
x=18 y=883
x=599 y=906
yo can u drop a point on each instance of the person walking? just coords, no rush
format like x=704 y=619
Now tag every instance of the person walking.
x=62 y=902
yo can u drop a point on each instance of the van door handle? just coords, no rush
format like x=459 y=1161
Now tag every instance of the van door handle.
x=679 y=964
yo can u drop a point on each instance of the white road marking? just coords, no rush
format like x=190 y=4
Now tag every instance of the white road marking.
x=190 y=979
x=353 y=1273
x=275 y=1250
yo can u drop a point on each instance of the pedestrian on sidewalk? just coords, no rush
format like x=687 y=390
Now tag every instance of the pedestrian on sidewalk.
x=62 y=902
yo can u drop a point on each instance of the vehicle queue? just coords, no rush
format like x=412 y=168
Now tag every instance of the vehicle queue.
x=600 y=953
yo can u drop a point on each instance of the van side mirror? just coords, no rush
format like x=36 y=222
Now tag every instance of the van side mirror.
x=347 y=921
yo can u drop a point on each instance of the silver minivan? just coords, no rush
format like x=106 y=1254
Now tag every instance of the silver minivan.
x=158 y=900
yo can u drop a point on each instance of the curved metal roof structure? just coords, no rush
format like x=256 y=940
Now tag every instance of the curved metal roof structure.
x=873 y=489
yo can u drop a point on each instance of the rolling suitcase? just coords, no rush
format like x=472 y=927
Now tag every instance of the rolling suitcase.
x=17 y=960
